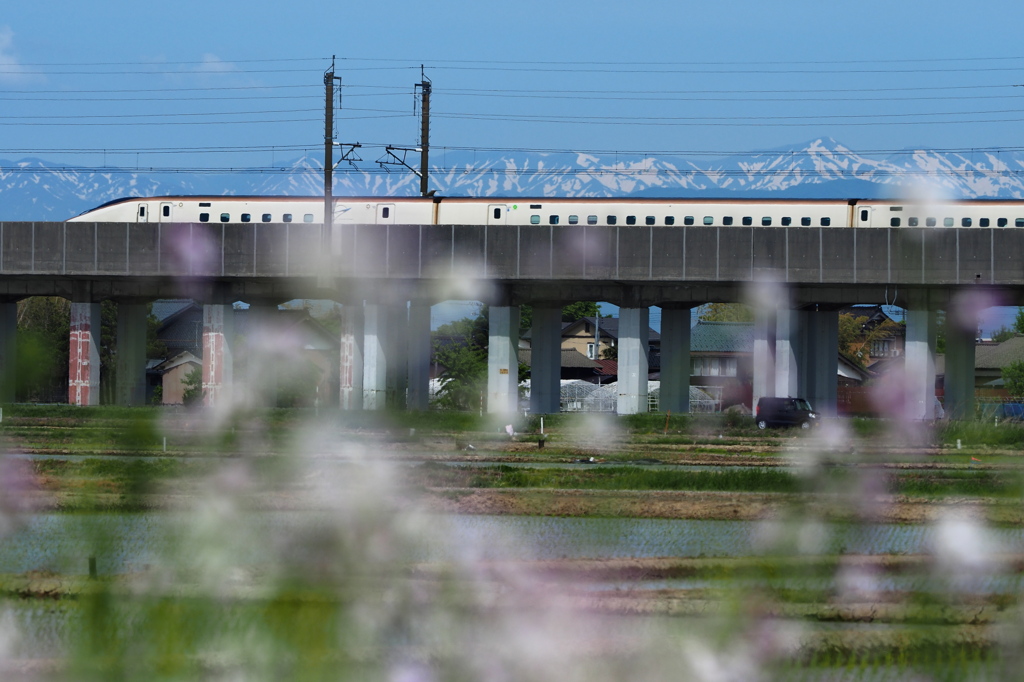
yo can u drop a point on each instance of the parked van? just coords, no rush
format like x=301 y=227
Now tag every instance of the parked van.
x=784 y=412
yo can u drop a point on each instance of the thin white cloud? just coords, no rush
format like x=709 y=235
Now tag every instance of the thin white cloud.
x=214 y=64
x=11 y=69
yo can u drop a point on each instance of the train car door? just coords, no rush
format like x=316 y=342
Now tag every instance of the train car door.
x=165 y=212
x=385 y=214
x=142 y=213
x=863 y=216
x=496 y=214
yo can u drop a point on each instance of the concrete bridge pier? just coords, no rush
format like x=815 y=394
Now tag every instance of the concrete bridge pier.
x=633 y=347
x=503 y=360
x=919 y=364
x=795 y=355
x=819 y=333
x=218 y=339
x=419 y=351
x=675 y=358
x=961 y=336
x=84 y=365
x=8 y=349
x=376 y=347
x=546 y=360
x=131 y=353
x=350 y=367
x=397 y=372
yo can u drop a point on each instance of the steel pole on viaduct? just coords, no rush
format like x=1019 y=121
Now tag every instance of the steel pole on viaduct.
x=803 y=275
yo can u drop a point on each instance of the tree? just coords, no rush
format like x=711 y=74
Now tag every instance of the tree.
x=856 y=336
x=193 y=383
x=570 y=313
x=725 y=312
x=43 y=343
x=1002 y=334
x=1013 y=379
x=1018 y=323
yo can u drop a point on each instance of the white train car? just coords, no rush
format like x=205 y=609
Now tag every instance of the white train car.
x=561 y=211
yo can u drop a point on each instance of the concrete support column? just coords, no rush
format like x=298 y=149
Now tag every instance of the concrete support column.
x=764 y=380
x=265 y=355
x=419 y=356
x=218 y=336
x=546 y=361
x=920 y=363
x=131 y=354
x=397 y=373
x=350 y=368
x=789 y=352
x=817 y=381
x=503 y=360
x=675 y=360
x=633 y=347
x=8 y=350
x=375 y=356
x=961 y=334
x=84 y=366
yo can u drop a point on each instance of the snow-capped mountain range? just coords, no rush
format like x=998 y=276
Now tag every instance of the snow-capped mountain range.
x=34 y=189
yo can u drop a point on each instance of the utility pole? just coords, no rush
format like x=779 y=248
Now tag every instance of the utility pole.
x=424 y=87
x=390 y=158
x=328 y=225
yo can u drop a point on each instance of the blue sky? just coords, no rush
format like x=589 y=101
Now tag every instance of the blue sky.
x=223 y=84
x=133 y=78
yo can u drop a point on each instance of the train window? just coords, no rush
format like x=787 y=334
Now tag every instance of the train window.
x=204 y=217
x=688 y=220
x=727 y=220
x=1019 y=222
x=826 y=221
x=591 y=220
x=203 y=204
x=497 y=212
x=983 y=222
x=612 y=220
x=287 y=217
x=894 y=222
x=805 y=221
x=535 y=206
x=552 y=220
x=246 y=217
x=631 y=220
x=574 y=220
x=747 y=220
x=385 y=212
x=786 y=221
x=965 y=222
x=670 y=220
x=709 y=220
x=142 y=211
x=1001 y=222
x=947 y=222
x=535 y=219
x=649 y=220
x=863 y=215
x=266 y=218
x=307 y=218
x=766 y=220
x=225 y=217
x=912 y=222
x=167 y=210
x=929 y=222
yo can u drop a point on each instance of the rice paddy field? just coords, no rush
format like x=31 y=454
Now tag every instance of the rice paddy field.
x=171 y=545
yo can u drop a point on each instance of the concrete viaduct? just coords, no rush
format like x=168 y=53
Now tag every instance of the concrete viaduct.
x=388 y=276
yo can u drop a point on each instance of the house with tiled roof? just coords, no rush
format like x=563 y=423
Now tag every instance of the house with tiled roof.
x=990 y=359
x=721 y=360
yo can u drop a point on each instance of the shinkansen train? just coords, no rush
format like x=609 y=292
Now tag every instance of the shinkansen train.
x=565 y=211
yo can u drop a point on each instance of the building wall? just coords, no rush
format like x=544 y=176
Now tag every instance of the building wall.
x=173 y=388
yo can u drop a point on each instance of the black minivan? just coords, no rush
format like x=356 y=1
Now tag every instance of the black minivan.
x=784 y=412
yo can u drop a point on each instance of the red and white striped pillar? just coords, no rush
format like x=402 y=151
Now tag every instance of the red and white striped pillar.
x=217 y=328
x=84 y=366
